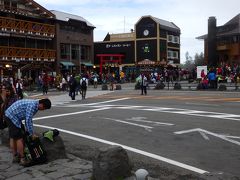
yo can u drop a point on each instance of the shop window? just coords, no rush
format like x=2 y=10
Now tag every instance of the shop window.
x=65 y=51
x=75 y=52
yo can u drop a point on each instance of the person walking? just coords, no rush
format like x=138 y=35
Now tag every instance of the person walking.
x=72 y=87
x=84 y=84
x=21 y=110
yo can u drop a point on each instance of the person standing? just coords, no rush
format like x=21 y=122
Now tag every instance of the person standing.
x=21 y=110
x=19 y=89
x=95 y=81
x=84 y=84
x=143 y=83
x=45 y=82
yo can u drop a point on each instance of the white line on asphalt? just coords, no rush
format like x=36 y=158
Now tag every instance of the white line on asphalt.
x=223 y=137
x=204 y=135
x=36 y=95
x=69 y=114
x=154 y=156
x=102 y=102
x=134 y=124
x=153 y=122
x=201 y=104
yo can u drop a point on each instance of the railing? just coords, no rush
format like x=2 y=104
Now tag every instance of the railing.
x=24 y=11
x=26 y=54
x=26 y=27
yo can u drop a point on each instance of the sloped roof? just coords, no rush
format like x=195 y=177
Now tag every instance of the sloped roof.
x=166 y=23
x=232 y=27
x=62 y=16
x=163 y=23
x=234 y=20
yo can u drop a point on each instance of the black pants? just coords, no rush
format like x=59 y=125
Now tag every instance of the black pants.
x=144 y=89
x=84 y=91
x=72 y=93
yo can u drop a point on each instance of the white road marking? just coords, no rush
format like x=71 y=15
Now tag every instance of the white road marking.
x=217 y=115
x=138 y=151
x=36 y=95
x=102 y=102
x=204 y=135
x=139 y=119
x=69 y=114
x=201 y=104
x=223 y=137
x=134 y=124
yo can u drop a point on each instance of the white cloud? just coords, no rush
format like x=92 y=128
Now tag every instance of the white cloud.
x=190 y=15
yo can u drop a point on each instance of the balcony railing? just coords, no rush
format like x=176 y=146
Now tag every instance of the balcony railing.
x=26 y=27
x=31 y=11
x=18 y=54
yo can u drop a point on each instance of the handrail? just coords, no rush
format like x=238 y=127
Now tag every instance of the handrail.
x=21 y=26
x=27 y=53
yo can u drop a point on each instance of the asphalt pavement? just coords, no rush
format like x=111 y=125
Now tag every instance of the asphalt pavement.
x=72 y=167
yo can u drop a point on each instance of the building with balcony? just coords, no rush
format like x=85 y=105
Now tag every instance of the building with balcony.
x=27 y=32
x=222 y=43
x=152 y=39
x=34 y=40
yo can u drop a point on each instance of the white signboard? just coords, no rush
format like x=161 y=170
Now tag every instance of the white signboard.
x=199 y=70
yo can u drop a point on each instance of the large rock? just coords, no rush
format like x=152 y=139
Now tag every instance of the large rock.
x=104 y=87
x=118 y=87
x=111 y=163
x=55 y=150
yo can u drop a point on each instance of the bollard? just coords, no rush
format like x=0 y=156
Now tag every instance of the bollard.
x=141 y=174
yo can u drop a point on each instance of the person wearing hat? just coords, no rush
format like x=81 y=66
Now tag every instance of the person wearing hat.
x=21 y=110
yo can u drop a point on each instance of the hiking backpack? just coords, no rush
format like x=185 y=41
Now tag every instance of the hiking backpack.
x=84 y=83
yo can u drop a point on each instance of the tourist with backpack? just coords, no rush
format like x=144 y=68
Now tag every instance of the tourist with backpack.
x=21 y=110
x=84 y=84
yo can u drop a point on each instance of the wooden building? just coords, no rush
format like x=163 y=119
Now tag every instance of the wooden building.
x=152 y=38
x=222 y=43
x=27 y=32
x=34 y=40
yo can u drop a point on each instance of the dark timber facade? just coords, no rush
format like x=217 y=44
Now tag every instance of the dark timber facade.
x=154 y=39
x=222 y=43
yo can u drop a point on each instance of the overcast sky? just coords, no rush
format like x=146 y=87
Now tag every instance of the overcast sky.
x=190 y=16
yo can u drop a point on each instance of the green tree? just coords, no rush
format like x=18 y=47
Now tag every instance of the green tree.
x=189 y=63
x=199 y=59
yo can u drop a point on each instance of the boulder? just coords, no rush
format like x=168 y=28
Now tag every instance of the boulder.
x=54 y=149
x=177 y=86
x=160 y=85
x=118 y=87
x=222 y=87
x=111 y=163
x=137 y=86
x=104 y=87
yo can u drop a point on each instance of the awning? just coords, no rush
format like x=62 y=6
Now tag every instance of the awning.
x=87 y=64
x=67 y=63
x=146 y=62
